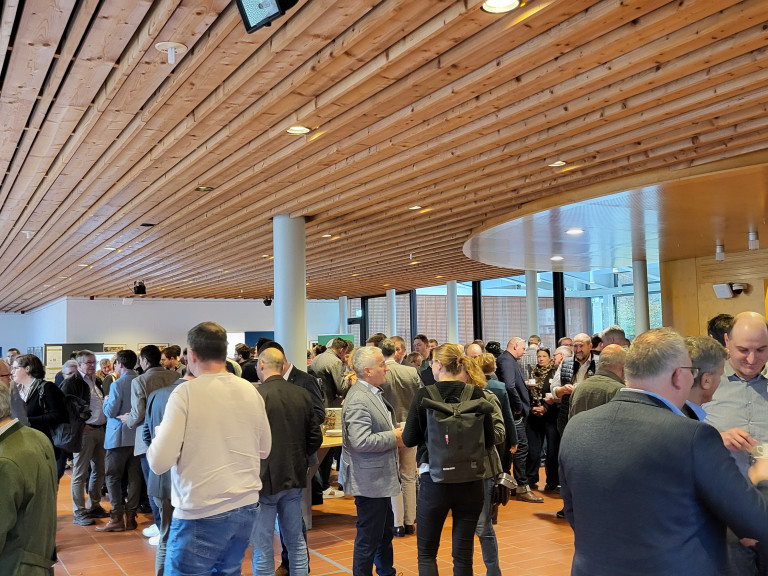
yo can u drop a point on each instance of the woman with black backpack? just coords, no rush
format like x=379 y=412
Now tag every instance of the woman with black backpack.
x=438 y=492
x=44 y=400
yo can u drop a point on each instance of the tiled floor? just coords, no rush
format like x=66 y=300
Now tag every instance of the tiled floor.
x=532 y=542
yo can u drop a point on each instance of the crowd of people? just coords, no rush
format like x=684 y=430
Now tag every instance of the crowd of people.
x=657 y=448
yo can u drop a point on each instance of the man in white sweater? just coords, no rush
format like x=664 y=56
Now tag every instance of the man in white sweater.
x=213 y=436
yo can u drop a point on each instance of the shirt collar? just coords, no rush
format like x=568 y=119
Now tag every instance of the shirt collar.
x=731 y=375
x=287 y=371
x=666 y=402
x=700 y=413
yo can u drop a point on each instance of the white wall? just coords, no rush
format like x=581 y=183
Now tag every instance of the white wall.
x=34 y=328
x=147 y=320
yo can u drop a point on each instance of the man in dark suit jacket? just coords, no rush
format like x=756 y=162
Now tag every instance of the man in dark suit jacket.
x=312 y=386
x=647 y=490
x=295 y=436
x=508 y=371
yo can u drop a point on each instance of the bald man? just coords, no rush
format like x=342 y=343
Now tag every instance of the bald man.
x=602 y=387
x=739 y=410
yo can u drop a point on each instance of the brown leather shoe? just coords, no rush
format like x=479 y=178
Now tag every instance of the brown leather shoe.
x=115 y=524
x=130 y=521
x=529 y=496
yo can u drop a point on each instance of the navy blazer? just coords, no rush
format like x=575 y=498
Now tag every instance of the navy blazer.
x=648 y=491
x=509 y=372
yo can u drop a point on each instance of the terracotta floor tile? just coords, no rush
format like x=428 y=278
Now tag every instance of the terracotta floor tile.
x=532 y=542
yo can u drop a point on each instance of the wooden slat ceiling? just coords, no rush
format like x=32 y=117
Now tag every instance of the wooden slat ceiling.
x=432 y=103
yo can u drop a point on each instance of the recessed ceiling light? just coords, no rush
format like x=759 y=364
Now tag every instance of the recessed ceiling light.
x=500 y=6
x=439 y=276
x=109 y=248
x=335 y=237
x=355 y=274
x=385 y=284
x=574 y=231
x=326 y=236
x=415 y=208
x=298 y=130
x=265 y=255
x=83 y=265
x=414 y=262
x=556 y=164
x=423 y=210
x=203 y=188
x=556 y=258
x=64 y=277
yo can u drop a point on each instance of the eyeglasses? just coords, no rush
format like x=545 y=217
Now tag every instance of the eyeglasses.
x=692 y=369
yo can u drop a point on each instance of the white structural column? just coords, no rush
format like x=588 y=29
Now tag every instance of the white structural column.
x=343 y=314
x=391 y=313
x=289 y=241
x=640 y=284
x=452 y=316
x=531 y=303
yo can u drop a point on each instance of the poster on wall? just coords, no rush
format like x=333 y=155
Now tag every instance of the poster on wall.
x=114 y=347
x=53 y=357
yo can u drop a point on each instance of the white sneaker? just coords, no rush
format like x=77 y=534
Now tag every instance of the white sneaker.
x=154 y=541
x=151 y=531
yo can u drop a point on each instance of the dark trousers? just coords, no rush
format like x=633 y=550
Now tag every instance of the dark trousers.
x=538 y=429
x=373 y=542
x=117 y=462
x=520 y=457
x=324 y=470
x=145 y=472
x=465 y=502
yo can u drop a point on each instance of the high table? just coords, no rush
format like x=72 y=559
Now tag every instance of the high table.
x=306 y=498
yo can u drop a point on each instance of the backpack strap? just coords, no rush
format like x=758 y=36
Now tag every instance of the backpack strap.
x=466 y=394
x=434 y=393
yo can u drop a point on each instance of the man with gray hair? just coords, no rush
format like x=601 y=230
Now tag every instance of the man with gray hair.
x=602 y=387
x=370 y=438
x=709 y=356
x=663 y=526
x=28 y=496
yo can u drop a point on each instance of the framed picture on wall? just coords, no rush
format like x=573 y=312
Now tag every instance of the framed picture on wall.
x=114 y=347
x=161 y=346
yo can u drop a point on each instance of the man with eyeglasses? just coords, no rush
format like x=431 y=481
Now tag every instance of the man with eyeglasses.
x=88 y=464
x=739 y=410
x=648 y=490
x=5 y=373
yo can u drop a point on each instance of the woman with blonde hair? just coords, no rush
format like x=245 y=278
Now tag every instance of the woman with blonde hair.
x=452 y=370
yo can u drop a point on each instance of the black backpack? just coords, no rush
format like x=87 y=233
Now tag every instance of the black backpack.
x=69 y=435
x=456 y=436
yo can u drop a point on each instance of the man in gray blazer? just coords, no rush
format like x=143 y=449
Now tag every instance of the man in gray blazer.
x=398 y=389
x=370 y=438
x=119 y=442
x=647 y=490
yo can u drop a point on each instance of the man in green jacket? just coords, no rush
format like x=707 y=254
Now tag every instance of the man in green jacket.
x=27 y=499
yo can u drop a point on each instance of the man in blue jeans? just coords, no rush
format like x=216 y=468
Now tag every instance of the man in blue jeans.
x=213 y=436
x=296 y=435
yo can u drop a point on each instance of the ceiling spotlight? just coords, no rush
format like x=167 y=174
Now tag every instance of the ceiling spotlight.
x=719 y=252
x=500 y=6
x=574 y=231
x=556 y=258
x=256 y=15
x=139 y=289
x=298 y=130
x=754 y=241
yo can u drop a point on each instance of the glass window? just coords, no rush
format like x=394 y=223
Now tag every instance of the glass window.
x=432 y=310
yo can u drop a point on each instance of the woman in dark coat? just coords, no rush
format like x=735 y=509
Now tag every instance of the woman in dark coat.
x=44 y=400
